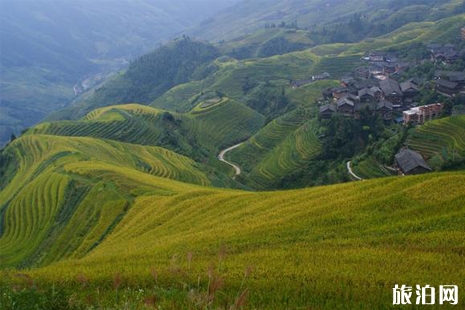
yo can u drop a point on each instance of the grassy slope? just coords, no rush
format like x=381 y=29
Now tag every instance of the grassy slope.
x=440 y=140
x=249 y=16
x=210 y=128
x=334 y=247
x=68 y=192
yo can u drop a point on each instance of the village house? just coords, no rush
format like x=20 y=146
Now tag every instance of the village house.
x=346 y=105
x=446 y=53
x=327 y=111
x=447 y=88
x=391 y=91
x=376 y=57
x=409 y=89
x=420 y=115
x=340 y=92
x=411 y=163
x=365 y=95
x=384 y=110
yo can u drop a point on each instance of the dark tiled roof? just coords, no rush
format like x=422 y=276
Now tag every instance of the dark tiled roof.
x=448 y=74
x=364 y=91
x=408 y=160
x=417 y=81
x=446 y=83
x=349 y=99
x=390 y=86
x=384 y=104
x=407 y=85
x=328 y=107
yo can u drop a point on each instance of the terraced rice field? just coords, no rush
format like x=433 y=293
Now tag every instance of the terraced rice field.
x=370 y=168
x=278 y=149
x=337 y=66
x=288 y=157
x=59 y=180
x=225 y=124
x=128 y=123
x=212 y=128
x=334 y=247
x=440 y=140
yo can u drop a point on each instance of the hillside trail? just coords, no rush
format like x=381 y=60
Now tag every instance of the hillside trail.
x=223 y=153
x=349 y=168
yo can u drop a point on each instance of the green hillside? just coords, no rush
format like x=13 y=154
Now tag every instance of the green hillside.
x=182 y=246
x=67 y=193
x=441 y=142
x=199 y=134
x=267 y=42
x=327 y=22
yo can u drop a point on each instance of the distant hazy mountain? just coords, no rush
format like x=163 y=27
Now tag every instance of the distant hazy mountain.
x=378 y=16
x=49 y=46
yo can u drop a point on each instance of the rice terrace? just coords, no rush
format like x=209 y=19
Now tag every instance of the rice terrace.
x=232 y=154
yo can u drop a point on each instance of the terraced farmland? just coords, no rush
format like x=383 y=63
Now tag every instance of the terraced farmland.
x=288 y=157
x=337 y=66
x=440 y=140
x=205 y=130
x=297 y=249
x=75 y=185
x=278 y=149
x=226 y=123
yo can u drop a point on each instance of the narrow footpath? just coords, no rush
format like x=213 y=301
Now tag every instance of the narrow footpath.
x=349 y=168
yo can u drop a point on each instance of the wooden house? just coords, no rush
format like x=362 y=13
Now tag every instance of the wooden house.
x=446 y=87
x=327 y=111
x=409 y=89
x=391 y=91
x=411 y=163
x=346 y=105
x=384 y=109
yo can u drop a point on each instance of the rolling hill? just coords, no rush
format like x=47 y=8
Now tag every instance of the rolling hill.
x=328 y=21
x=441 y=141
x=122 y=205
x=176 y=245
x=78 y=186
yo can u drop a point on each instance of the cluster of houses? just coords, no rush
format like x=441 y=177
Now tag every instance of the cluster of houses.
x=374 y=87
x=381 y=65
x=381 y=97
x=447 y=53
x=449 y=83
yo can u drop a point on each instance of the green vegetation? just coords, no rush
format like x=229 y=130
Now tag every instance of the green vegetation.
x=149 y=76
x=267 y=42
x=122 y=208
x=199 y=135
x=81 y=183
x=441 y=142
x=183 y=246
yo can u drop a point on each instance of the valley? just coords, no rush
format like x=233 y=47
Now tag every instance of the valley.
x=311 y=155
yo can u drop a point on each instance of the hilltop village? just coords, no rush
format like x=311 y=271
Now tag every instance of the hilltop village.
x=386 y=86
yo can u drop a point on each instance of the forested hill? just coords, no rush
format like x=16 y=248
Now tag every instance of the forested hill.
x=150 y=76
x=326 y=20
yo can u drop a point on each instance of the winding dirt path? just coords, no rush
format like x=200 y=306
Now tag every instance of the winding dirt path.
x=349 y=168
x=221 y=158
